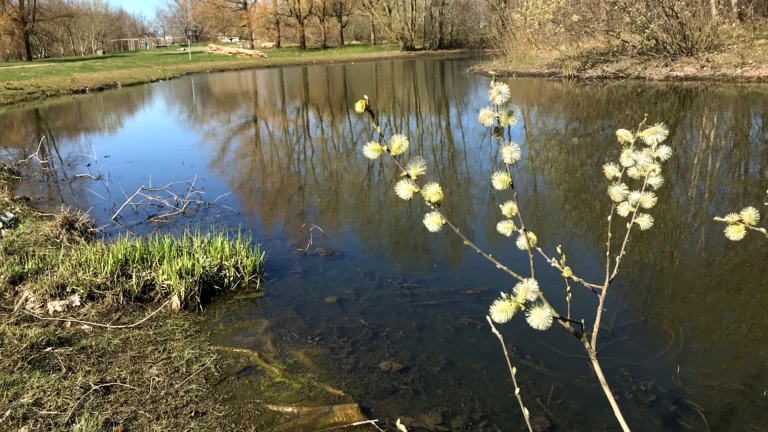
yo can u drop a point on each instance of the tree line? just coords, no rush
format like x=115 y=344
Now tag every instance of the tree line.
x=53 y=28
x=429 y=24
x=47 y=28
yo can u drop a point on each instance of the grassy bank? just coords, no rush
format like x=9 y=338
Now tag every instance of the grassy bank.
x=89 y=338
x=25 y=82
x=742 y=56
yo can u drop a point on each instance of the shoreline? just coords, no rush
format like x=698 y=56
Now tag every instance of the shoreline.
x=71 y=335
x=15 y=96
x=84 y=348
x=716 y=68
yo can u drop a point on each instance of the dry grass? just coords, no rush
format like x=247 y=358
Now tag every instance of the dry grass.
x=742 y=57
x=50 y=376
x=75 y=224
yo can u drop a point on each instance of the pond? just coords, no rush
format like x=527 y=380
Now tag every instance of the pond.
x=353 y=272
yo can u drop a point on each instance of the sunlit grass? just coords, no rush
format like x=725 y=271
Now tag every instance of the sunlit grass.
x=192 y=266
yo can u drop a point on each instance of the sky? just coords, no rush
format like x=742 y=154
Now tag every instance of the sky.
x=146 y=7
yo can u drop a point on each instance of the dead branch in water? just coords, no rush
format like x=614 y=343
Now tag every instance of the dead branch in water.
x=167 y=200
x=360 y=423
x=36 y=154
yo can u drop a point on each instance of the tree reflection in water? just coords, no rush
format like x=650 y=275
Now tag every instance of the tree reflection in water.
x=286 y=143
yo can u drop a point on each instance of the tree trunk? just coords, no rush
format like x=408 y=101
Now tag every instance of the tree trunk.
x=424 y=43
x=249 y=25
x=713 y=5
x=72 y=45
x=324 y=44
x=27 y=45
x=341 y=31
x=373 y=30
x=302 y=35
x=24 y=29
x=278 y=36
x=440 y=20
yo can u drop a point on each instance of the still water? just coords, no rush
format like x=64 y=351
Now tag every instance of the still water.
x=684 y=345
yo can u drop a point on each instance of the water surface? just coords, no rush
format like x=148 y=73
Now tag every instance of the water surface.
x=684 y=344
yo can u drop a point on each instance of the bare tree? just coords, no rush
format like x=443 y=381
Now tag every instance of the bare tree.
x=341 y=10
x=300 y=11
x=244 y=9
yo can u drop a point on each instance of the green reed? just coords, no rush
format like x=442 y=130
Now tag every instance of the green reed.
x=193 y=266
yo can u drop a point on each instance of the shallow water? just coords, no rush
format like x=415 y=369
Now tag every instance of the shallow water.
x=684 y=346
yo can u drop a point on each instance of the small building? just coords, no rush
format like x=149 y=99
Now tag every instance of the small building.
x=132 y=44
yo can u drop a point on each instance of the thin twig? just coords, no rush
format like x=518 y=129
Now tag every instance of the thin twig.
x=90 y=391
x=109 y=326
x=360 y=423
x=36 y=153
x=555 y=420
x=557 y=265
x=600 y=305
x=196 y=372
x=511 y=372
x=703 y=417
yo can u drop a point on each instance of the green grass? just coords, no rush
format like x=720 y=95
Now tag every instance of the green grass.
x=191 y=267
x=29 y=81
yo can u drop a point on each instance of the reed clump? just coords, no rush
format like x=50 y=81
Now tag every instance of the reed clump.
x=191 y=267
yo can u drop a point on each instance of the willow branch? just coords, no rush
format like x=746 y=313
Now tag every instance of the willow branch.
x=599 y=313
x=604 y=384
x=760 y=230
x=626 y=237
x=575 y=278
x=512 y=373
x=458 y=232
x=522 y=224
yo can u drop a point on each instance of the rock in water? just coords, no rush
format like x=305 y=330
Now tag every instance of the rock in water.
x=540 y=424
x=390 y=366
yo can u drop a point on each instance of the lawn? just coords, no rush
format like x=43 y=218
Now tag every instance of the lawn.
x=29 y=81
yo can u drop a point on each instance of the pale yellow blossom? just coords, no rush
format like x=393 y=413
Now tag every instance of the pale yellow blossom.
x=502 y=310
x=434 y=221
x=506 y=227
x=521 y=244
x=509 y=209
x=501 y=180
x=398 y=144
x=372 y=150
x=539 y=317
x=750 y=216
x=416 y=167
x=735 y=232
x=432 y=193
x=405 y=189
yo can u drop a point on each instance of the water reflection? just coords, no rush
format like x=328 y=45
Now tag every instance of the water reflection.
x=685 y=314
